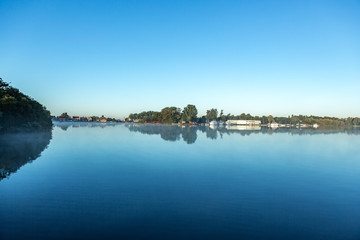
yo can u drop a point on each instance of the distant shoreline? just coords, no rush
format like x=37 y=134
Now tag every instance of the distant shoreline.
x=289 y=126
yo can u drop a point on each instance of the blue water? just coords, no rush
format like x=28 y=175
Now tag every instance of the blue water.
x=122 y=181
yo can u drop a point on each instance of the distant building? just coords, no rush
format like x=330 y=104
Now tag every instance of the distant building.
x=243 y=122
x=89 y=119
x=62 y=118
x=76 y=118
x=102 y=119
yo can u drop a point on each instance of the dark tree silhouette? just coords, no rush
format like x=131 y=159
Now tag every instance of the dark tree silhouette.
x=20 y=112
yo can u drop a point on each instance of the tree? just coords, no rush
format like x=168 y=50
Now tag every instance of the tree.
x=170 y=115
x=356 y=121
x=270 y=119
x=294 y=119
x=20 y=112
x=3 y=85
x=190 y=113
x=155 y=117
x=211 y=114
x=223 y=117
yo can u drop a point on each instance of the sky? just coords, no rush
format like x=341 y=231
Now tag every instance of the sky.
x=113 y=58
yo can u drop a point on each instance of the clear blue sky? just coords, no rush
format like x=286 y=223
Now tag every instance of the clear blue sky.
x=117 y=57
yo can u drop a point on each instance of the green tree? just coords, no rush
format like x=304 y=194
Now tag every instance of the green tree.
x=356 y=121
x=20 y=112
x=211 y=114
x=155 y=117
x=3 y=85
x=170 y=115
x=190 y=113
x=294 y=119
x=270 y=119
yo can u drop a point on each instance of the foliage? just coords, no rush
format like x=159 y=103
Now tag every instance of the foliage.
x=270 y=119
x=170 y=115
x=211 y=114
x=20 y=112
x=190 y=113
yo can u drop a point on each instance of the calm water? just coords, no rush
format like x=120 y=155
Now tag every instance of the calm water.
x=167 y=182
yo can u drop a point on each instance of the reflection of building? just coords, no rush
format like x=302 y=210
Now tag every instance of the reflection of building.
x=213 y=123
x=242 y=127
x=243 y=122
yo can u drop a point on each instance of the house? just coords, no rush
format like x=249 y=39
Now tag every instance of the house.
x=62 y=118
x=102 y=119
x=76 y=118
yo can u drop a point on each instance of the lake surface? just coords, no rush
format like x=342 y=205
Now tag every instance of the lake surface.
x=123 y=181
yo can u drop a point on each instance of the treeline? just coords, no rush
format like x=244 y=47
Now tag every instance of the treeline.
x=189 y=113
x=20 y=112
x=167 y=115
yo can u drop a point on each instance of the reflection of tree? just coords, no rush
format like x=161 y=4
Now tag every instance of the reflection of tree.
x=211 y=133
x=18 y=149
x=189 y=134
x=313 y=131
x=65 y=125
x=170 y=133
x=166 y=132
x=65 y=128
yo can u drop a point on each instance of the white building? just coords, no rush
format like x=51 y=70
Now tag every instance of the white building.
x=213 y=123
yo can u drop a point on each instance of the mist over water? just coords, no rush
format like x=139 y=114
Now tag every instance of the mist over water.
x=19 y=149
x=143 y=181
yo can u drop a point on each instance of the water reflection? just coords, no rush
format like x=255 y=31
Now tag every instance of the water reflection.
x=167 y=132
x=189 y=133
x=18 y=149
x=66 y=125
